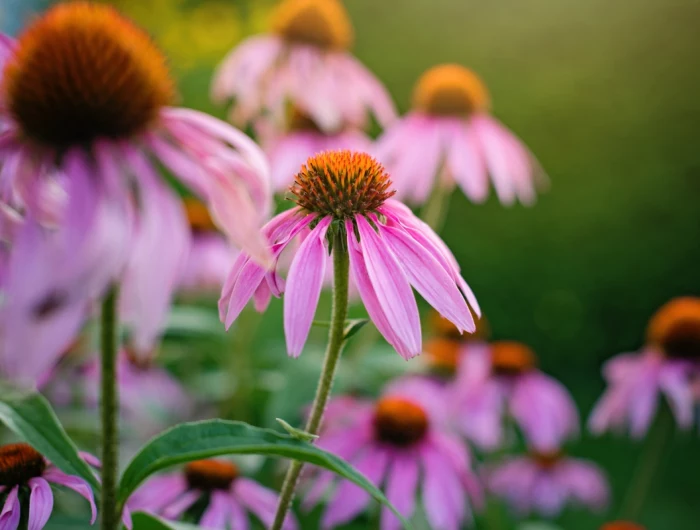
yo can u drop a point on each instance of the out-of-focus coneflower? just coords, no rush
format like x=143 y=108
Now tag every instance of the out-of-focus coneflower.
x=449 y=137
x=86 y=101
x=501 y=378
x=621 y=525
x=402 y=444
x=348 y=194
x=304 y=61
x=545 y=483
x=665 y=366
x=227 y=496
x=25 y=478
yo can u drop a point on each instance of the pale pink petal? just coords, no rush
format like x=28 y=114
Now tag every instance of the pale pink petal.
x=216 y=515
x=496 y=158
x=175 y=509
x=304 y=284
x=76 y=484
x=40 y=503
x=442 y=495
x=402 y=482
x=466 y=164
x=585 y=483
x=261 y=501
x=674 y=381
x=238 y=518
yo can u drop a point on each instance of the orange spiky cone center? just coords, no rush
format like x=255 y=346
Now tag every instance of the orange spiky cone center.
x=399 y=421
x=81 y=72
x=321 y=23
x=621 y=525
x=675 y=328
x=19 y=463
x=198 y=216
x=210 y=475
x=450 y=90
x=512 y=358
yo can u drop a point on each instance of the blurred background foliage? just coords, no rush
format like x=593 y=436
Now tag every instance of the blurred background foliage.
x=607 y=94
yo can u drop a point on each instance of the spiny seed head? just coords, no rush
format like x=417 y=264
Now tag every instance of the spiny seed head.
x=443 y=354
x=321 y=23
x=675 y=328
x=210 y=475
x=82 y=71
x=548 y=459
x=341 y=184
x=399 y=421
x=19 y=463
x=450 y=90
x=512 y=358
x=621 y=525
x=198 y=216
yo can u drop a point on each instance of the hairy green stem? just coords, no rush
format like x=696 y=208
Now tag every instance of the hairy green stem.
x=336 y=340
x=109 y=408
x=648 y=464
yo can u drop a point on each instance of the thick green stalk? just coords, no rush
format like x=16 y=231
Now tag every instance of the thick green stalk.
x=336 y=341
x=109 y=408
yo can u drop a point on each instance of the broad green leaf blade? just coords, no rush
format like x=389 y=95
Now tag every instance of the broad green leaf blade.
x=144 y=521
x=31 y=417
x=206 y=439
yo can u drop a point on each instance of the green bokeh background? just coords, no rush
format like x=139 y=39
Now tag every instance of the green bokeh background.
x=607 y=94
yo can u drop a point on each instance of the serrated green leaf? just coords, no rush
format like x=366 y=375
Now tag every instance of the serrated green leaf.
x=206 y=439
x=144 y=521
x=30 y=416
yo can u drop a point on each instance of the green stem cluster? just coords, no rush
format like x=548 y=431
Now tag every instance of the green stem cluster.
x=336 y=341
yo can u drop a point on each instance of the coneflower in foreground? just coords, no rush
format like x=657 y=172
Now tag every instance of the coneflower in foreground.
x=449 y=137
x=390 y=250
x=304 y=62
x=84 y=99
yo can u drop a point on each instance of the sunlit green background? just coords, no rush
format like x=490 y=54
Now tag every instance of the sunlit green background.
x=607 y=94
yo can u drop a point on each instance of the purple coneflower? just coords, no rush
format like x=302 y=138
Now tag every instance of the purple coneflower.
x=85 y=104
x=402 y=445
x=664 y=366
x=25 y=476
x=502 y=378
x=303 y=62
x=545 y=483
x=390 y=251
x=449 y=137
x=227 y=494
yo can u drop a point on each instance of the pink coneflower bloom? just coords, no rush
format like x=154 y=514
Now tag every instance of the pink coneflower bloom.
x=229 y=496
x=621 y=525
x=210 y=254
x=303 y=138
x=390 y=251
x=85 y=96
x=304 y=62
x=449 y=137
x=664 y=366
x=23 y=470
x=501 y=378
x=545 y=483
x=402 y=445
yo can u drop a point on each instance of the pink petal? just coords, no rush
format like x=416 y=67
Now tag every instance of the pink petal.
x=261 y=501
x=442 y=498
x=40 y=503
x=216 y=515
x=76 y=484
x=466 y=165
x=175 y=509
x=11 y=511
x=402 y=481
x=304 y=284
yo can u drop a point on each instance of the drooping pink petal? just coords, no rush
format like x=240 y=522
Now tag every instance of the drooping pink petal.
x=217 y=513
x=466 y=164
x=585 y=483
x=158 y=492
x=391 y=288
x=237 y=516
x=175 y=509
x=496 y=159
x=77 y=484
x=442 y=496
x=11 y=511
x=40 y=503
x=674 y=382
x=401 y=485
x=304 y=284
x=262 y=502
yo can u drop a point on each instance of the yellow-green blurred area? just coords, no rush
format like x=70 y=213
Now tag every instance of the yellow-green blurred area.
x=607 y=95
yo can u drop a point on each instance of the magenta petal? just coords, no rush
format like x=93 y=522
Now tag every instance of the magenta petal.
x=76 y=484
x=304 y=284
x=429 y=278
x=238 y=519
x=216 y=515
x=402 y=481
x=40 y=503
x=443 y=496
x=176 y=508
x=391 y=288
x=248 y=276
x=262 y=502
x=11 y=511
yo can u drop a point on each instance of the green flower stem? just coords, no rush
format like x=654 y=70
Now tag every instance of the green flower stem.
x=434 y=213
x=648 y=464
x=109 y=408
x=336 y=341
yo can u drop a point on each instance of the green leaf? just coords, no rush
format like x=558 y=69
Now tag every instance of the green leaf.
x=30 y=416
x=145 y=521
x=205 y=439
x=353 y=326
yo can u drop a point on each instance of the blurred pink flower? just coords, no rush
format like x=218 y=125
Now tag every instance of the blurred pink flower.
x=94 y=113
x=303 y=62
x=22 y=467
x=449 y=137
x=666 y=365
x=393 y=442
x=390 y=250
x=501 y=378
x=230 y=495
x=545 y=483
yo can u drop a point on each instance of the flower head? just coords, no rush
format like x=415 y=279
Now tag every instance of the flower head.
x=450 y=138
x=390 y=250
x=24 y=469
x=227 y=495
x=84 y=110
x=664 y=366
x=545 y=483
x=621 y=525
x=394 y=441
x=321 y=23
